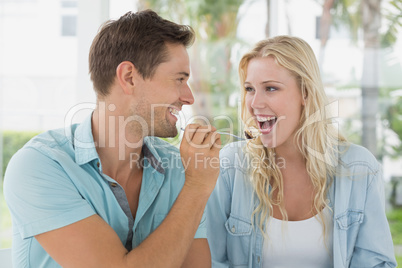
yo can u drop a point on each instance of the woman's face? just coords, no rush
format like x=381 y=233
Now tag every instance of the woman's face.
x=274 y=100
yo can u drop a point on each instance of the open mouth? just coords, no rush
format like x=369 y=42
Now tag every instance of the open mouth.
x=266 y=123
x=173 y=111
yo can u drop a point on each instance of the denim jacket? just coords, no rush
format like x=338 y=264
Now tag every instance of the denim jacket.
x=361 y=235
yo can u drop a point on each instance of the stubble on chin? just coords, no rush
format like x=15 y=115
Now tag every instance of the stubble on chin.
x=158 y=123
x=165 y=130
x=163 y=127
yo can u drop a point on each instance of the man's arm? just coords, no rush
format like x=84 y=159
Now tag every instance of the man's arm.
x=91 y=242
x=199 y=255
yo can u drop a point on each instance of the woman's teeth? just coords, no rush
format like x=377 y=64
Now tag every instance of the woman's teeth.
x=266 y=122
x=263 y=118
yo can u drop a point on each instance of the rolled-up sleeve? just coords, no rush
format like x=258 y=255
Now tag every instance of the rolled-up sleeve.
x=40 y=195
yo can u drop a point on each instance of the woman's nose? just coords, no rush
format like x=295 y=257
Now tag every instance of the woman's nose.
x=258 y=101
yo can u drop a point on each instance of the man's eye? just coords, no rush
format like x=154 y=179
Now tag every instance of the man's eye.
x=181 y=80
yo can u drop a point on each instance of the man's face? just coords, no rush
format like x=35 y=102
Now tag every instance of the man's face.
x=163 y=96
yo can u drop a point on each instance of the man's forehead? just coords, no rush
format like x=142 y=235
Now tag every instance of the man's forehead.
x=177 y=65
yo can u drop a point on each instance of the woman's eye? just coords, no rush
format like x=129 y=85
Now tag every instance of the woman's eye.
x=248 y=89
x=271 y=89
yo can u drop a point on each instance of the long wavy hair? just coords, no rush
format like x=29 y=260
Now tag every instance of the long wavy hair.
x=316 y=138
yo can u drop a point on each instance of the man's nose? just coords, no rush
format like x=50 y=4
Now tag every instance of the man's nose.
x=186 y=96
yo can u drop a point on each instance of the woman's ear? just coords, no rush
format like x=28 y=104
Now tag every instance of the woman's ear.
x=126 y=76
x=304 y=96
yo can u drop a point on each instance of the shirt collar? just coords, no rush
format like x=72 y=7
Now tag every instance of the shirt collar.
x=84 y=144
x=150 y=151
x=85 y=150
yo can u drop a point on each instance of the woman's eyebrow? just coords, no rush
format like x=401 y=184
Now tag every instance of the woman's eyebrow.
x=271 y=81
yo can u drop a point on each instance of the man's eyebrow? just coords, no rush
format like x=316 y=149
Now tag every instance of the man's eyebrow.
x=184 y=73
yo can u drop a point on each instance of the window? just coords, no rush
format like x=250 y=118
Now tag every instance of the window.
x=69 y=10
x=68 y=25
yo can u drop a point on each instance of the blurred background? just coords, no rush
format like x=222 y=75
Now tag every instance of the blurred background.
x=44 y=81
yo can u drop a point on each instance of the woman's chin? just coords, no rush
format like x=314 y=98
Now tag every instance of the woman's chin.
x=268 y=143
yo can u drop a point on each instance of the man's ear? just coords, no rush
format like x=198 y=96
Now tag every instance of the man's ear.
x=126 y=74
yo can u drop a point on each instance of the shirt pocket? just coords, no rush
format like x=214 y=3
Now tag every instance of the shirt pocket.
x=238 y=240
x=348 y=224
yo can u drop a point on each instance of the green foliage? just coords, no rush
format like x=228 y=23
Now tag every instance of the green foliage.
x=351 y=130
x=399 y=259
x=348 y=12
x=220 y=16
x=395 y=224
x=5 y=224
x=215 y=19
x=180 y=11
x=394 y=117
x=228 y=122
x=393 y=15
x=12 y=142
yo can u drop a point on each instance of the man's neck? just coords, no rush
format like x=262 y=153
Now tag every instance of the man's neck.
x=119 y=150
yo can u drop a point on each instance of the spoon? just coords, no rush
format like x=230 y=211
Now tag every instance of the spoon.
x=249 y=134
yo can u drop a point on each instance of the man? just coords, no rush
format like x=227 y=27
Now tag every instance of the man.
x=106 y=192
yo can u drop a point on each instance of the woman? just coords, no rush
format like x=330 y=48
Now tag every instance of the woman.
x=298 y=195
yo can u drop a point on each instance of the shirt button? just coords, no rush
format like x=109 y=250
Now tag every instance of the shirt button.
x=98 y=164
x=258 y=259
x=233 y=229
x=113 y=184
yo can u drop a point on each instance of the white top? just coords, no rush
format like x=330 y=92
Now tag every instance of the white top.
x=298 y=243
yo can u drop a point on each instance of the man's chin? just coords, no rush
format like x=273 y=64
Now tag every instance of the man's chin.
x=167 y=133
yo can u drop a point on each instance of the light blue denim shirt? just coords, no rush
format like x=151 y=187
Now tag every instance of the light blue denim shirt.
x=361 y=235
x=56 y=179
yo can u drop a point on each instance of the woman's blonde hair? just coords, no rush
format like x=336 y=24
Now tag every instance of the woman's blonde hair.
x=316 y=138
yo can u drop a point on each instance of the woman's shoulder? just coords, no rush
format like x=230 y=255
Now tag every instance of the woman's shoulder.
x=233 y=147
x=233 y=155
x=353 y=154
x=234 y=169
x=359 y=166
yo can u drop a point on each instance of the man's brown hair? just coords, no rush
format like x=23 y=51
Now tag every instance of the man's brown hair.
x=136 y=37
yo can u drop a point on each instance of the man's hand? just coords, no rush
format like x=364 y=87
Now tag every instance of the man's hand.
x=199 y=151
